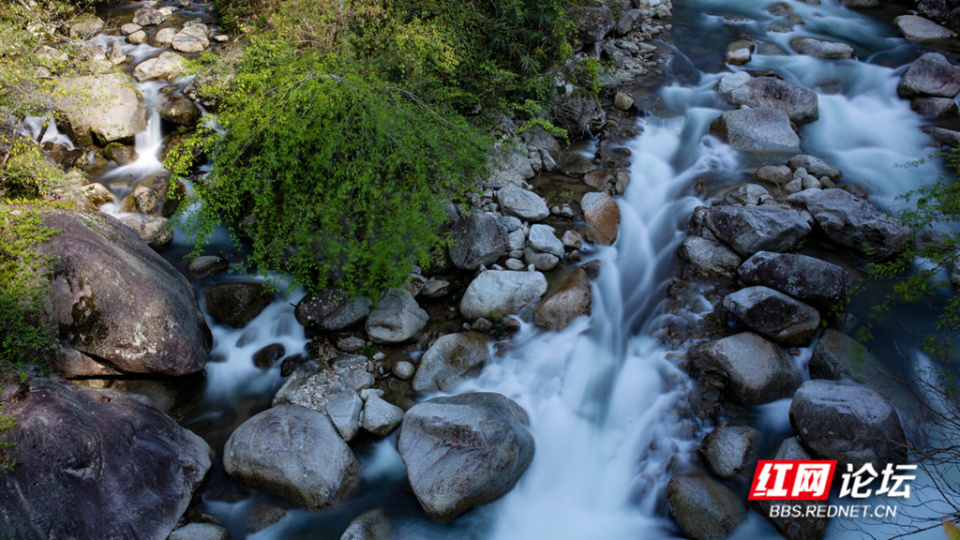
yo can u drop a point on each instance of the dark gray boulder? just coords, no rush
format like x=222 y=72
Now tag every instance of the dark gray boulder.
x=704 y=509
x=795 y=528
x=729 y=449
x=819 y=283
x=330 y=310
x=594 y=23
x=396 y=319
x=478 y=239
x=798 y=102
x=749 y=229
x=773 y=315
x=828 y=50
x=238 y=303
x=450 y=360
x=815 y=166
x=752 y=370
x=839 y=356
x=931 y=75
x=760 y=130
x=569 y=300
x=709 y=258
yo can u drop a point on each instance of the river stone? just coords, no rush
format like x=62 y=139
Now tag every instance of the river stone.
x=542 y=262
x=380 y=417
x=815 y=166
x=97 y=194
x=137 y=38
x=704 y=509
x=464 y=451
x=156 y=231
x=237 y=303
x=729 y=449
x=130 y=28
x=758 y=130
x=156 y=194
x=396 y=319
x=180 y=111
x=118 y=303
x=510 y=165
x=478 y=239
x=709 y=258
x=293 y=452
x=149 y=16
x=121 y=154
x=839 y=356
x=95 y=464
x=543 y=238
x=828 y=50
x=749 y=229
x=167 y=66
x=191 y=39
x=206 y=266
x=931 y=75
x=86 y=26
x=116 y=54
x=934 y=107
x=164 y=37
x=370 y=525
x=753 y=370
x=200 y=531
x=602 y=216
x=855 y=223
x=918 y=29
x=740 y=52
x=331 y=311
x=522 y=203
x=730 y=81
x=99 y=108
x=344 y=409
x=798 y=102
x=774 y=315
x=848 y=423
x=819 y=283
x=494 y=294
x=451 y=360
x=570 y=300
x=795 y=528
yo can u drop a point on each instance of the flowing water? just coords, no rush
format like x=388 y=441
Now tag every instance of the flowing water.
x=607 y=402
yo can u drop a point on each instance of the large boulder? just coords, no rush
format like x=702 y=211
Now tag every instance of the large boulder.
x=828 y=50
x=526 y=205
x=238 y=303
x=191 y=39
x=931 y=75
x=149 y=16
x=594 y=23
x=729 y=449
x=480 y=238
x=819 y=283
x=918 y=29
x=464 y=451
x=330 y=310
x=704 y=509
x=293 y=452
x=602 y=215
x=167 y=66
x=752 y=370
x=568 y=301
x=156 y=231
x=839 y=356
x=855 y=223
x=396 y=319
x=450 y=360
x=709 y=258
x=774 y=315
x=798 y=102
x=760 y=130
x=851 y=424
x=796 y=528
x=99 y=108
x=118 y=306
x=494 y=294
x=95 y=464
x=749 y=229
x=180 y=111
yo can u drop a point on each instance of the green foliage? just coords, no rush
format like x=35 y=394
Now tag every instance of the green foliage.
x=25 y=171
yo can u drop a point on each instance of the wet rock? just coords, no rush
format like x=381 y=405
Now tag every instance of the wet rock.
x=130 y=28
x=149 y=16
x=740 y=52
x=543 y=238
x=451 y=360
x=180 y=111
x=494 y=294
x=293 y=452
x=774 y=315
x=709 y=258
x=934 y=107
x=728 y=449
x=819 y=283
x=371 y=525
x=164 y=37
x=96 y=464
x=266 y=357
x=396 y=319
x=943 y=136
x=206 y=266
x=436 y=288
x=828 y=50
x=167 y=66
x=380 y=417
x=761 y=130
x=511 y=165
x=839 y=356
x=97 y=194
x=622 y=101
x=851 y=424
x=542 y=262
x=156 y=194
x=798 y=102
x=523 y=204
x=200 y=531
x=572 y=240
x=731 y=81
x=344 y=408
x=404 y=370
x=931 y=75
x=85 y=26
x=570 y=300
x=99 y=108
x=704 y=509
x=795 y=528
x=602 y=216
x=777 y=175
x=753 y=370
x=478 y=239
x=464 y=451
x=918 y=29
x=191 y=39
x=156 y=231
x=259 y=516
x=815 y=166
x=594 y=23
x=330 y=310
x=137 y=38
x=749 y=229
x=237 y=303
x=116 y=54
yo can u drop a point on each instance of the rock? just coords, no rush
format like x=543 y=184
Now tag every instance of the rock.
x=728 y=450
x=622 y=101
x=464 y=451
x=164 y=37
x=156 y=231
x=757 y=130
x=709 y=258
x=397 y=318
x=116 y=54
x=329 y=310
x=542 y=262
x=117 y=303
x=97 y=194
x=774 y=315
x=86 y=26
x=238 y=303
x=371 y=525
x=934 y=107
x=191 y=39
x=495 y=294
x=266 y=357
x=918 y=29
x=931 y=75
x=149 y=16
x=594 y=23
x=748 y=195
x=749 y=229
x=740 y=52
x=819 y=283
x=943 y=136
x=798 y=102
x=206 y=266
x=570 y=300
x=293 y=452
x=572 y=240
x=753 y=371
x=855 y=223
x=167 y=66
x=839 y=356
x=180 y=111
x=436 y=288
x=451 y=360
x=137 y=38
x=704 y=509
x=777 y=175
x=851 y=424
x=380 y=417
x=543 y=238
x=828 y=50
x=122 y=155
x=524 y=204
x=259 y=516
x=510 y=164
x=95 y=464
x=130 y=28
x=602 y=216
x=200 y=531
x=795 y=528
x=99 y=108
x=478 y=239
x=729 y=81
x=815 y=166
x=404 y=370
